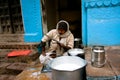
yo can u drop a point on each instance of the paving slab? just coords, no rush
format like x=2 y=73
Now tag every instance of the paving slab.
x=17 y=66
x=7 y=77
x=113 y=56
x=4 y=64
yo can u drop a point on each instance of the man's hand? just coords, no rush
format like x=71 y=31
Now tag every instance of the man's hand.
x=65 y=47
x=62 y=45
x=43 y=53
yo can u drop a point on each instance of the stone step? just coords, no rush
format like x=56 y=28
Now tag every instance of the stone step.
x=7 y=77
x=11 y=37
x=28 y=58
x=18 y=45
x=18 y=66
x=4 y=64
x=15 y=41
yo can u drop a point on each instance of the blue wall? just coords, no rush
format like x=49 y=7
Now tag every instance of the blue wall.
x=84 y=24
x=102 y=22
x=31 y=13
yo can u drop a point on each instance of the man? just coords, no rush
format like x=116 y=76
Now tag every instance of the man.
x=61 y=41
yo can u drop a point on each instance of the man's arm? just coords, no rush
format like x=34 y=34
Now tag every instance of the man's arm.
x=42 y=45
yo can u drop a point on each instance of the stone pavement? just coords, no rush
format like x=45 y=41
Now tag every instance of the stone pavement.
x=110 y=71
x=10 y=67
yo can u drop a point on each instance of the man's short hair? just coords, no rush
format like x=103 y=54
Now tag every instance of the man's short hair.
x=62 y=25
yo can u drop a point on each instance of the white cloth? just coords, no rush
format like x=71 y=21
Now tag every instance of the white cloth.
x=45 y=59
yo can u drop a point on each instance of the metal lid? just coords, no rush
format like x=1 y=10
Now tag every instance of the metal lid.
x=77 y=39
x=98 y=47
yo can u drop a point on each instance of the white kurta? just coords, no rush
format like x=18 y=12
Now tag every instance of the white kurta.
x=53 y=34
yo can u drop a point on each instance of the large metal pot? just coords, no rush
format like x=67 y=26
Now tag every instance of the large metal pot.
x=68 y=68
x=76 y=52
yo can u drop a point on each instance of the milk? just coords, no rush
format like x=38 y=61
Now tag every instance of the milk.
x=67 y=67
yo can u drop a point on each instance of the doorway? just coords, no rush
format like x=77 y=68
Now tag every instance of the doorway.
x=69 y=10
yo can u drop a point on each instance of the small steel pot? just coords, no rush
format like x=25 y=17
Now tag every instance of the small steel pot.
x=76 y=52
x=68 y=68
x=77 y=42
x=98 y=56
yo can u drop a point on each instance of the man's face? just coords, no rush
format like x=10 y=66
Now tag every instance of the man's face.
x=61 y=31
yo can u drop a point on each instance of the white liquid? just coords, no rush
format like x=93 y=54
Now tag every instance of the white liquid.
x=98 y=50
x=76 y=52
x=67 y=67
